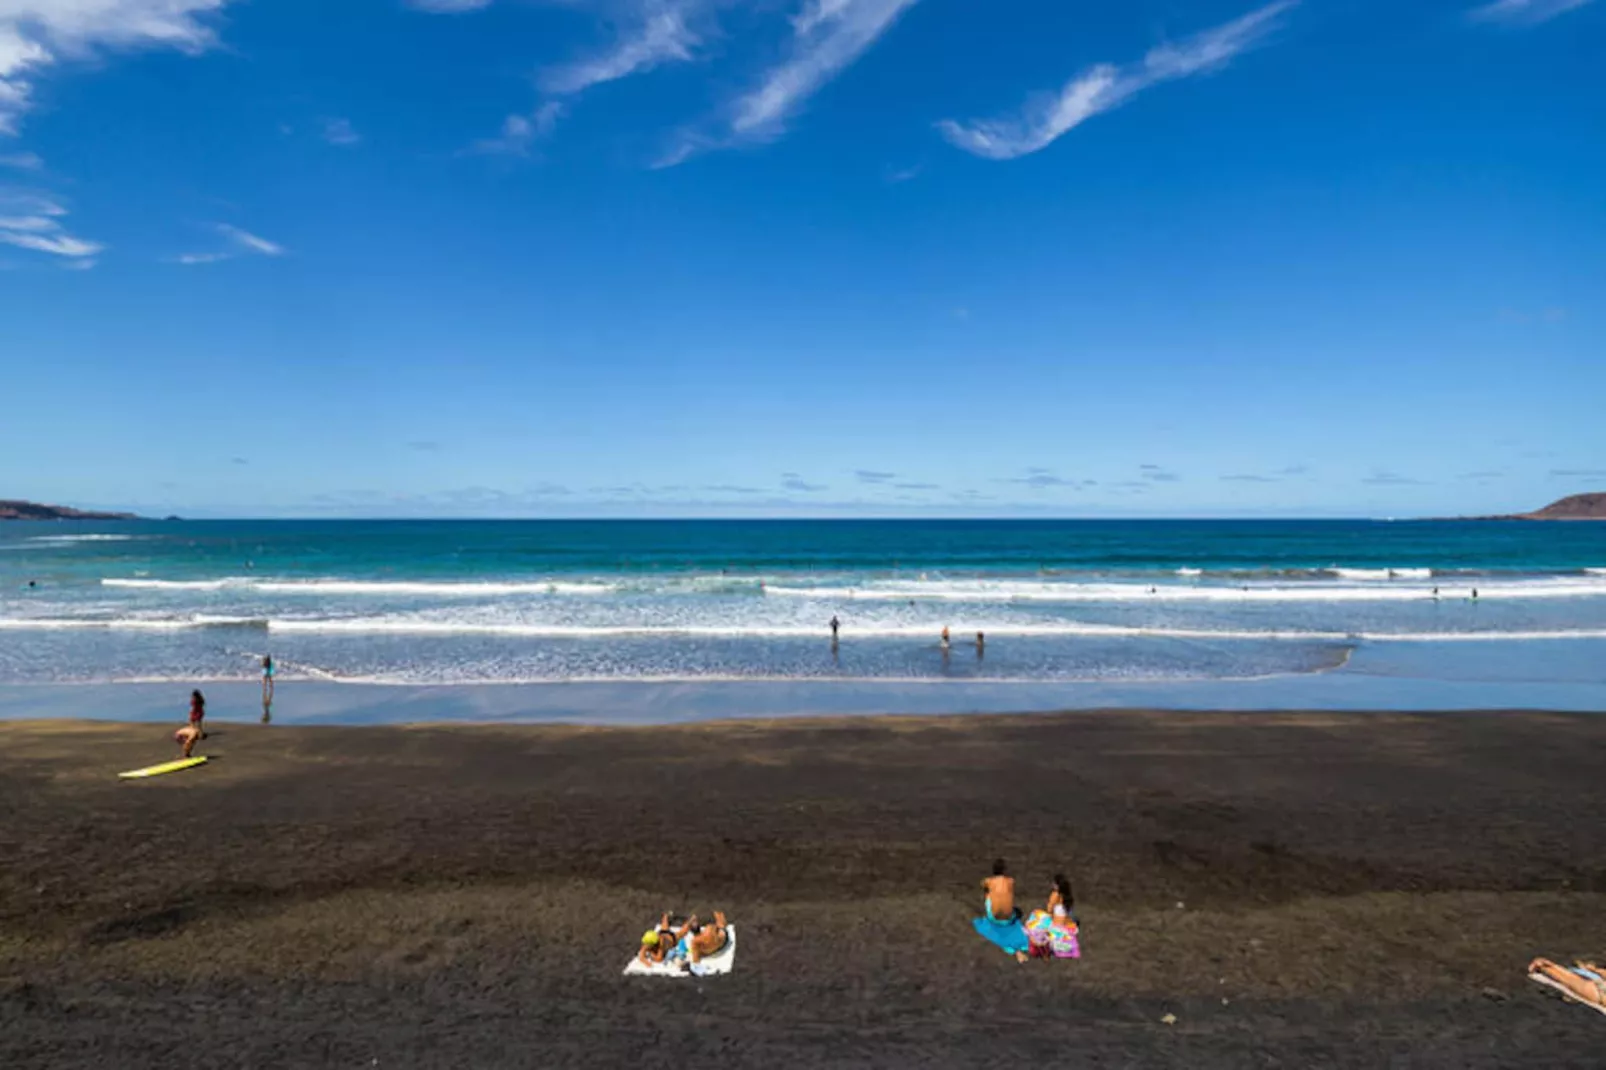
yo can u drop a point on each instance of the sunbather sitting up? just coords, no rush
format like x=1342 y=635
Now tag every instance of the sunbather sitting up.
x=1053 y=931
x=1000 y=904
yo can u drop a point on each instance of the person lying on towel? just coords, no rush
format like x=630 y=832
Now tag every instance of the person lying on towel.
x=656 y=943
x=1582 y=988
x=694 y=941
x=1001 y=923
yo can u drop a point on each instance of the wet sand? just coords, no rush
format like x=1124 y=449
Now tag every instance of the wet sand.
x=1298 y=889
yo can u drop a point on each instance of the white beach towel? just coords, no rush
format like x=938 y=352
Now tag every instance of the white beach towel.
x=1540 y=978
x=721 y=963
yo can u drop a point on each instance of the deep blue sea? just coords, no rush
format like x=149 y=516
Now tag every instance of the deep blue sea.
x=449 y=602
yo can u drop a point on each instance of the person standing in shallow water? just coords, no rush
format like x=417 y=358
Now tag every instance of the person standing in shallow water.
x=835 y=624
x=945 y=637
x=267 y=687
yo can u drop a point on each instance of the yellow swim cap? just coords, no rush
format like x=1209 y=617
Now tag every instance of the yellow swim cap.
x=650 y=938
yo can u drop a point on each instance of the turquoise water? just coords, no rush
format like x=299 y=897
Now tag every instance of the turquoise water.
x=457 y=602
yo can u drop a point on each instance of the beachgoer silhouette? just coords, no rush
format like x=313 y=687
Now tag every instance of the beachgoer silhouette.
x=981 y=645
x=1474 y=594
x=945 y=637
x=835 y=624
x=267 y=687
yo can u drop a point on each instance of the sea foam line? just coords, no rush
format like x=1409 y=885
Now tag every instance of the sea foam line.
x=962 y=632
x=981 y=591
x=473 y=589
x=137 y=624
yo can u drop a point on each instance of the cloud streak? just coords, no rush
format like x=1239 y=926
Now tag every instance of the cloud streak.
x=659 y=33
x=340 y=132
x=828 y=36
x=250 y=242
x=34 y=222
x=448 y=7
x=37 y=34
x=1048 y=117
x=1523 y=12
x=521 y=132
x=794 y=482
x=242 y=242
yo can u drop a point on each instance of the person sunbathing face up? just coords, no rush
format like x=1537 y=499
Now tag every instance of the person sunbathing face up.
x=709 y=939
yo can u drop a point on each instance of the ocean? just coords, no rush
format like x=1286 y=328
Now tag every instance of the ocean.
x=477 y=602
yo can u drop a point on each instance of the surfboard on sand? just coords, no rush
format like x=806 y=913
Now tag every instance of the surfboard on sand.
x=158 y=770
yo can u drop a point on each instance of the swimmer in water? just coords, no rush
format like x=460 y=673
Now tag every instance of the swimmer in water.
x=945 y=637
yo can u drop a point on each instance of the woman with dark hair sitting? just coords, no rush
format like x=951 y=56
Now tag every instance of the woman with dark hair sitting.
x=1053 y=931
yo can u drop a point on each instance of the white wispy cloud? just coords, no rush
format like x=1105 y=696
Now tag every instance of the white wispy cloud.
x=521 y=132
x=241 y=242
x=34 y=221
x=22 y=161
x=828 y=36
x=448 y=7
x=1528 y=12
x=340 y=132
x=35 y=34
x=1048 y=117
x=656 y=32
x=250 y=242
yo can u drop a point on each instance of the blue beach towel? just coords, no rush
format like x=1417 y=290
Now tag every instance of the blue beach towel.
x=1009 y=935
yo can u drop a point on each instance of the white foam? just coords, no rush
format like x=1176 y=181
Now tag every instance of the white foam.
x=962 y=632
x=140 y=624
x=1190 y=572
x=70 y=540
x=983 y=591
x=366 y=587
x=1382 y=573
x=176 y=585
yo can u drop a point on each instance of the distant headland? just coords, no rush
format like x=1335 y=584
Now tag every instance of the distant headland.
x=1573 y=507
x=17 y=510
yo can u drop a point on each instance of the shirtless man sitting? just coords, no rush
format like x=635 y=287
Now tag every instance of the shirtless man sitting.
x=1000 y=888
x=1000 y=901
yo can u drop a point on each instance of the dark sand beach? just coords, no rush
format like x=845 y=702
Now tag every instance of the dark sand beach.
x=1297 y=890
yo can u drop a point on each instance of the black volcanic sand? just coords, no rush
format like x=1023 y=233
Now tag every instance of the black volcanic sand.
x=1298 y=890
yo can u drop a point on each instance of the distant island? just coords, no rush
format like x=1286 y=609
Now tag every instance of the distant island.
x=1573 y=507
x=16 y=510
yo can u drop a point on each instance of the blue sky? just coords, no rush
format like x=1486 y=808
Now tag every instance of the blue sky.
x=777 y=257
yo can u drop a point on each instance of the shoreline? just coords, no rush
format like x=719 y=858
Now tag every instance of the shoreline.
x=666 y=703
x=1282 y=883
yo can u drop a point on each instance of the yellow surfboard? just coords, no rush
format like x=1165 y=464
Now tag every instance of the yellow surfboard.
x=158 y=770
